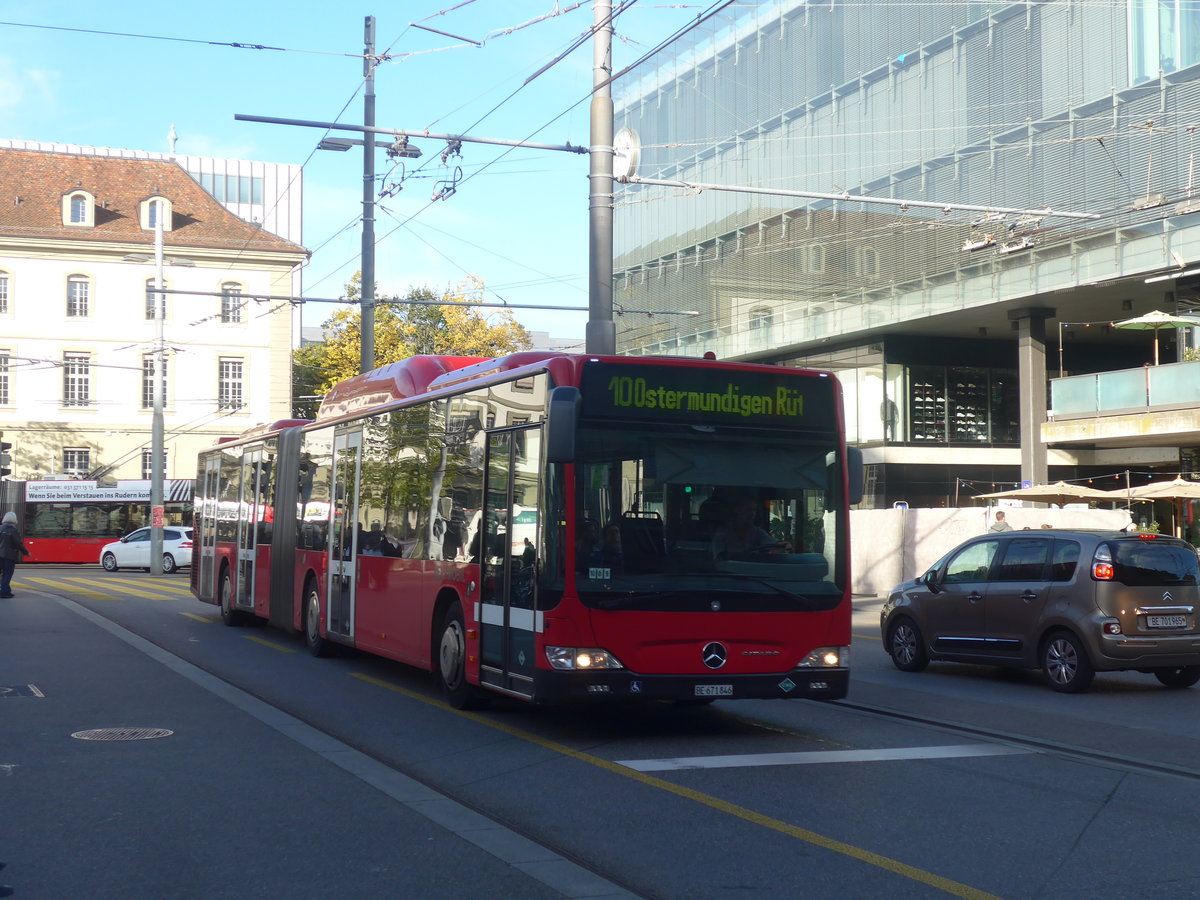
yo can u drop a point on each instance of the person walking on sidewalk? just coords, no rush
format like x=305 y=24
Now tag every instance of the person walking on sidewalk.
x=12 y=548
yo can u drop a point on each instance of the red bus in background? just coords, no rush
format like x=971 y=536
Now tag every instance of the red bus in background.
x=68 y=521
x=452 y=513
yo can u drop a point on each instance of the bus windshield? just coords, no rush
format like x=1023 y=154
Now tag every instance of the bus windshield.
x=684 y=516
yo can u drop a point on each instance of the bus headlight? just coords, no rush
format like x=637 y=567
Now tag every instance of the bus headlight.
x=581 y=658
x=826 y=658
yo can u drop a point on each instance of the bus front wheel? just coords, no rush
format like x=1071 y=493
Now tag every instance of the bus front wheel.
x=452 y=662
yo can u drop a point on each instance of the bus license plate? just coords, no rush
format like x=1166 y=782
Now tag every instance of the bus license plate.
x=714 y=690
x=1166 y=622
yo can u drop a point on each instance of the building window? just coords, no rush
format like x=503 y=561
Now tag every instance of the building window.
x=761 y=318
x=231 y=302
x=78 y=289
x=229 y=383
x=77 y=461
x=4 y=376
x=1164 y=37
x=79 y=209
x=147 y=457
x=3 y=293
x=151 y=210
x=151 y=290
x=77 y=379
x=148 y=369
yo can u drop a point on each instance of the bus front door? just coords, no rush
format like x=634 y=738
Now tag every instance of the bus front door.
x=508 y=561
x=209 y=492
x=247 y=536
x=343 y=535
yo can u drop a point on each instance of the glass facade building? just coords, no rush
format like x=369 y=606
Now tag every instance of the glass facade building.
x=988 y=132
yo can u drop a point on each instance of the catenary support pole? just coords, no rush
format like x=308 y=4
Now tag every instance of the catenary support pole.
x=600 y=334
x=367 y=293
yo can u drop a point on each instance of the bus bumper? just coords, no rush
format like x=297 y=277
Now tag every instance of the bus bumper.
x=804 y=684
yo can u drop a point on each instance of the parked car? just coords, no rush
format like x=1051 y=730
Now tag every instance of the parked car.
x=133 y=550
x=1071 y=603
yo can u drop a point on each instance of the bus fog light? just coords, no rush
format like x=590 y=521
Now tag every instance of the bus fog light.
x=826 y=657
x=580 y=658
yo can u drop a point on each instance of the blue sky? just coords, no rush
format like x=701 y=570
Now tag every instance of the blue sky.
x=519 y=219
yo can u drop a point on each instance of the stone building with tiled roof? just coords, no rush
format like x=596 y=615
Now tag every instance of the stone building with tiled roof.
x=78 y=335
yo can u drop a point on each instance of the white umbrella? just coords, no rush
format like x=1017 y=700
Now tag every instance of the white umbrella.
x=1060 y=493
x=1152 y=321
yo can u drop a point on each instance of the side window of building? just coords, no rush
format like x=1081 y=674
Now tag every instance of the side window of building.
x=1064 y=561
x=151 y=293
x=229 y=383
x=5 y=393
x=76 y=461
x=4 y=286
x=231 y=302
x=971 y=564
x=1024 y=560
x=148 y=371
x=77 y=379
x=78 y=209
x=79 y=289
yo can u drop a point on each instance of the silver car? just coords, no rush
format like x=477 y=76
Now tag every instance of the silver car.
x=1071 y=603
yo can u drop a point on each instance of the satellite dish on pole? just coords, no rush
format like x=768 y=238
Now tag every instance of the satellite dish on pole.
x=627 y=150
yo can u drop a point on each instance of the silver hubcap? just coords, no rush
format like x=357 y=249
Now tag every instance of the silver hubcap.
x=1061 y=661
x=904 y=644
x=314 y=617
x=451 y=654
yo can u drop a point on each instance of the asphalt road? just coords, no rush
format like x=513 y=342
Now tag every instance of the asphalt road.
x=302 y=777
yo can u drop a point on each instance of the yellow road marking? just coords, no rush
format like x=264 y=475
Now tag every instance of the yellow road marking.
x=203 y=619
x=95 y=595
x=947 y=885
x=120 y=587
x=171 y=588
x=866 y=637
x=274 y=646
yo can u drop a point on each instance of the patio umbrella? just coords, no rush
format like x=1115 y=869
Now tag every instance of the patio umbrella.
x=1060 y=493
x=1152 y=321
x=1176 y=491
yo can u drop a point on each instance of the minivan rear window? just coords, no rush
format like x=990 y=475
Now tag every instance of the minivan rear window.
x=1154 y=563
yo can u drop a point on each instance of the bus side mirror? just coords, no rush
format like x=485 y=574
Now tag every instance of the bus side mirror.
x=562 y=419
x=854 y=462
x=854 y=477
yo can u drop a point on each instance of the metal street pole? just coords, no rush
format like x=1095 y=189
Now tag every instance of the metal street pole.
x=367 y=296
x=157 y=475
x=601 y=333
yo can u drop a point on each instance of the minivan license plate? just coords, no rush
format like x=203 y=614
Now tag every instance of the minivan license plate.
x=714 y=690
x=1166 y=622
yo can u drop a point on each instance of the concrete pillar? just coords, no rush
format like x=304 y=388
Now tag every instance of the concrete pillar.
x=1031 y=377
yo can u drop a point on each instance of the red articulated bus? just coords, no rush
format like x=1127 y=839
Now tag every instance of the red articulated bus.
x=69 y=521
x=551 y=527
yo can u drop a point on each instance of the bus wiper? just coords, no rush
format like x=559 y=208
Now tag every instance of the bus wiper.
x=739 y=576
x=618 y=601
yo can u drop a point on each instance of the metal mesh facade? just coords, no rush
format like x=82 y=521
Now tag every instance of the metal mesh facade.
x=1027 y=106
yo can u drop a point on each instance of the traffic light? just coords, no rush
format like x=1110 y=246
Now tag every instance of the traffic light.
x=5 y=456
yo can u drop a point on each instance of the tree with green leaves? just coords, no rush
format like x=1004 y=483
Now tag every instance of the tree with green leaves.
x=403 y=329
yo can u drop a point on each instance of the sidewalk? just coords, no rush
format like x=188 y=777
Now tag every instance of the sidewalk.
x=209 y=793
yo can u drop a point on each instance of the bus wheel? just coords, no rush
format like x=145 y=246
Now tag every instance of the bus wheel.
x=168 y=564
x=229 y=615
x=109 y=562
x=452 y=663
x=317 y=645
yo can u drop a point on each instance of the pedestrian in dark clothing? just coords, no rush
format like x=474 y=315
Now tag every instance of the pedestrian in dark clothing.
x=12 y=548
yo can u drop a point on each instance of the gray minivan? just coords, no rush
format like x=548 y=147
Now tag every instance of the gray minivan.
x=1070 y=602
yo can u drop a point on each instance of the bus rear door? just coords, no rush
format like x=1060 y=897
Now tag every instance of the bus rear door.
x=343 y=535
x=207 y=536
x=509 y=561
x=247 y=538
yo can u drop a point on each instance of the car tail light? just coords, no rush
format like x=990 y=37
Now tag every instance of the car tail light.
x=1112 y=626
x=1102 y=567
x=185 y=545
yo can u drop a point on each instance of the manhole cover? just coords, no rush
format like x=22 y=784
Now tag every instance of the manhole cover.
x=122 y=734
